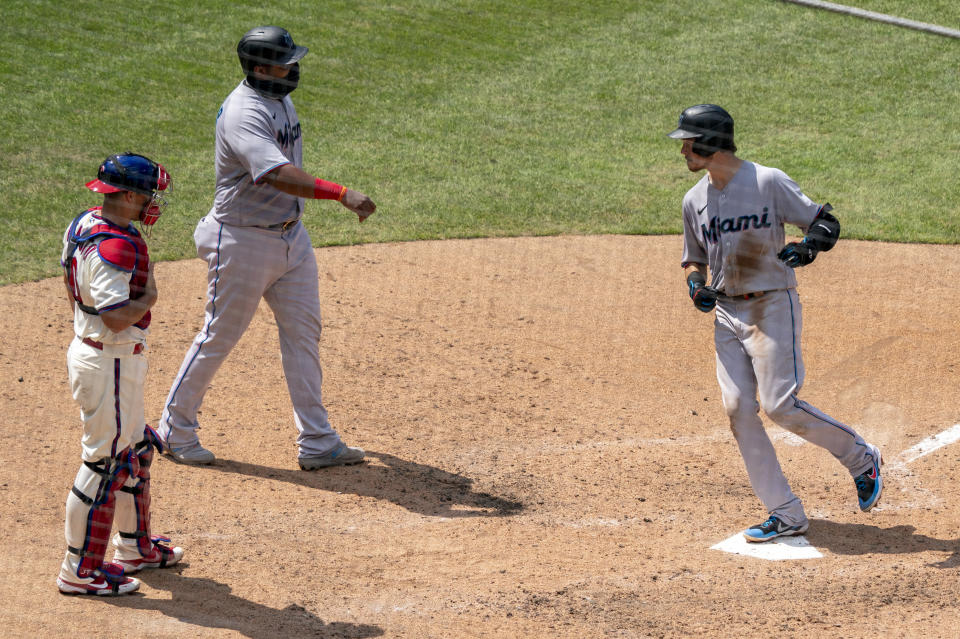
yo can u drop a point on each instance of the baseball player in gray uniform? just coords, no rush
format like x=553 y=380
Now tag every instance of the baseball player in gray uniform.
x=256 y=248
x=733 y=222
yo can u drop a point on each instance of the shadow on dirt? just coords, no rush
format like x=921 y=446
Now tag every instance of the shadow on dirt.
x=862 y=539
x=417 y=487
x=210 y=604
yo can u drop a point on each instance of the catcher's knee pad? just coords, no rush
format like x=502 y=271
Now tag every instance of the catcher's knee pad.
x=133 y=500
x=90 y=510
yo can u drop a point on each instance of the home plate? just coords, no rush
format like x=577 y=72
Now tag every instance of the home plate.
x=796 y=547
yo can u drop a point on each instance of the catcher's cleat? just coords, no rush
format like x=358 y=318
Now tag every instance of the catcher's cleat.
x=161 y=555
x=192 y=454
x=342 y=455
x=773 y=528
x=106 y=581
x=870 y=484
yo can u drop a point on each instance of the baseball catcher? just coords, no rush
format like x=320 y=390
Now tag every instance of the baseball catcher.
x=111 y=289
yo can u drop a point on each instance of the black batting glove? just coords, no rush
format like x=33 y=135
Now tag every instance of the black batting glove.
x=704 y=297
x=797 y=254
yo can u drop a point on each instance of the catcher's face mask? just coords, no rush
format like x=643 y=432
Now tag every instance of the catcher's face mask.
x=156 y=204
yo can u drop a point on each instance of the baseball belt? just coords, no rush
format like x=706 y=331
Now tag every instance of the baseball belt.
x=137 y=348
x=745 y=296
x=282 y=226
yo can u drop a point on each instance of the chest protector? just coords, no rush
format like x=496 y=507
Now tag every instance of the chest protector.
x=121 y=248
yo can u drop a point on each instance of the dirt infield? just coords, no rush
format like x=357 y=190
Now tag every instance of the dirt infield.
x=548 y=455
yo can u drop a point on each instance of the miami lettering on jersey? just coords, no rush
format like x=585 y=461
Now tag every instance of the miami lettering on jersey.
x=288 y=135
x=711 y=234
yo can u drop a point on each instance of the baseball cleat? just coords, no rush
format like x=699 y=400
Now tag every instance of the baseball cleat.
x=161 y=556
x=870 y=484
x=108 y=580
x=773 y=528
x=342 y=455
x=193 y=454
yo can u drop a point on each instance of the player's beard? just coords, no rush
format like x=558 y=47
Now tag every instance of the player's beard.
x=696 y=163
x=273 y=87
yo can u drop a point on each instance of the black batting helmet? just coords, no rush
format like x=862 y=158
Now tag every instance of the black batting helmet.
x=709 y=125
x=270 y=46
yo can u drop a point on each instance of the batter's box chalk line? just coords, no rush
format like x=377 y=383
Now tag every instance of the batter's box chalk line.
x=928 y=445
x=798 y=547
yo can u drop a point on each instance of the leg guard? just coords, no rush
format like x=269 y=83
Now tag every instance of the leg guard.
x=133 y=500
x=136 y=547
x=90 y=512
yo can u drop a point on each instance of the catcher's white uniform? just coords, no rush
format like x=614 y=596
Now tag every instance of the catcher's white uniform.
x=107 y=381
x=106 y=266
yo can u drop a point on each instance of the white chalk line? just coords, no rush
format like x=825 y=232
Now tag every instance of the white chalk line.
x=879 y=17
x=798 y=547
x=930 y=444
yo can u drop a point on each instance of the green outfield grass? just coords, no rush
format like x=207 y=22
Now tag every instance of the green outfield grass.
x=484 y=118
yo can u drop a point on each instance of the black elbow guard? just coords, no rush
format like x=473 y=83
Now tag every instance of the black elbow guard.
x=824 y=231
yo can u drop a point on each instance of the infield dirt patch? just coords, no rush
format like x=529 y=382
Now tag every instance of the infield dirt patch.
x=548 y=455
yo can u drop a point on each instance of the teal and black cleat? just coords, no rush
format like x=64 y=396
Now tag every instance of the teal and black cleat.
x=773 y=528
x=870 y=483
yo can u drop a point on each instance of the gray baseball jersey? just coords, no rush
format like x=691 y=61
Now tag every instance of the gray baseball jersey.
x=254 y=136
x=739 y=230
